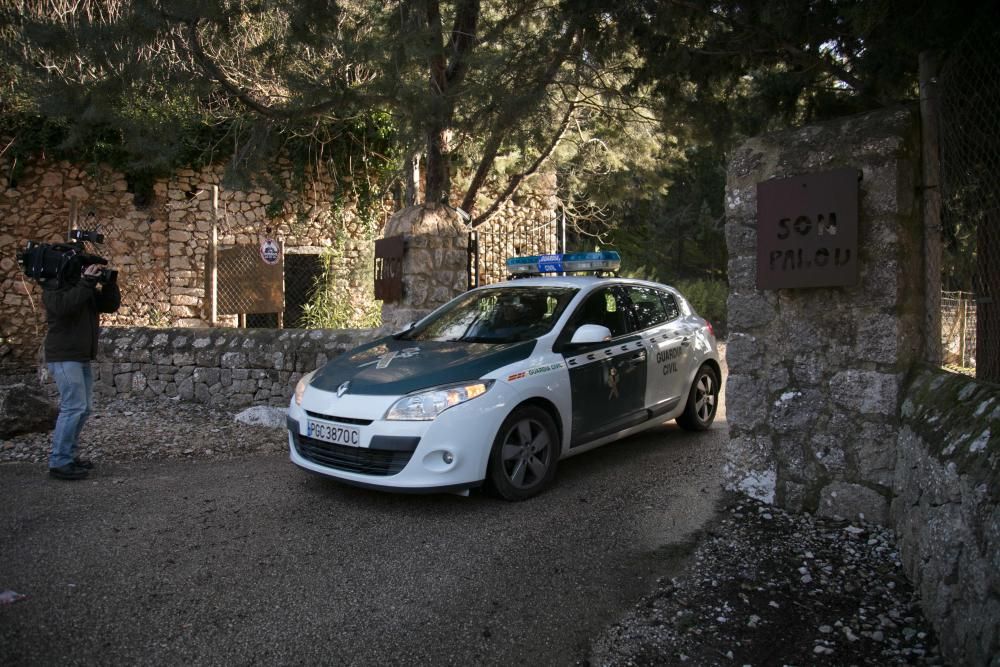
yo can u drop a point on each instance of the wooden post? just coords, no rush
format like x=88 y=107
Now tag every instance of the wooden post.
x=931 y=154
x=213 y=261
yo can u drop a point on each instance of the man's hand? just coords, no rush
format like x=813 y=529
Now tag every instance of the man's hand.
x=92 y=271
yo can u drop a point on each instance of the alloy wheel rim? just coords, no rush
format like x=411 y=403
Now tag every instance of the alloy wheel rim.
x=525 y=453
x=704 y=399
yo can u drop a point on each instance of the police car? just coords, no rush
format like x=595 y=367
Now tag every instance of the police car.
x=499 y=384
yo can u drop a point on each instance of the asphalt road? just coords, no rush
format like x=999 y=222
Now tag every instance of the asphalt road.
x=255 y=561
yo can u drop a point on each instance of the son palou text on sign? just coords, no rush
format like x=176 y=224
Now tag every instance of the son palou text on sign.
x=807 y=230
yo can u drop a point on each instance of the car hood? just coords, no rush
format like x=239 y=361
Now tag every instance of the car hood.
x=395 y=367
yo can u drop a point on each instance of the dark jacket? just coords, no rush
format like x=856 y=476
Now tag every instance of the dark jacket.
x=72 y=315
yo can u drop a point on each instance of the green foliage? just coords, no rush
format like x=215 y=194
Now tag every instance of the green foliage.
x=332 y=305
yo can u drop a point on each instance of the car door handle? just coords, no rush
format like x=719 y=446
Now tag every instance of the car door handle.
x=637 y=358
x=686 y=341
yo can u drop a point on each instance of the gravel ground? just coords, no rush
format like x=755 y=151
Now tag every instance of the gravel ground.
x=761 y=587
x=122 y=431
x=764 y=587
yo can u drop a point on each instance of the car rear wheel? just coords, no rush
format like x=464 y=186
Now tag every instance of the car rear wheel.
x=703 y=401
x=524 y=454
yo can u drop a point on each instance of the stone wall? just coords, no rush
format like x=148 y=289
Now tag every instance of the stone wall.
x=816 y=374
x=160 y=248
x=215 y=366
x=947 y=509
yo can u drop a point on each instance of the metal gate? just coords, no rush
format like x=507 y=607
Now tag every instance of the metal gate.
x=489 y=248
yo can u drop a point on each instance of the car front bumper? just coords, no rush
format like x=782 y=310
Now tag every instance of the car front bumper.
x=448 y=453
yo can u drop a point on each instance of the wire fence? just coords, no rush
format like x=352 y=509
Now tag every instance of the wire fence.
x=958 y=331
x=969 y=127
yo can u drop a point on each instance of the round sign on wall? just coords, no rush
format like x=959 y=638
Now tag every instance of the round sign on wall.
x=269 y=251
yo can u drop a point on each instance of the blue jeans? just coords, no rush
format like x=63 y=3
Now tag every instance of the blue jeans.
x=76 y=390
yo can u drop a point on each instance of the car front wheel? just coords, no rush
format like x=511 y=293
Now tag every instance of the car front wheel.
x=524 y=454
x=703 y=401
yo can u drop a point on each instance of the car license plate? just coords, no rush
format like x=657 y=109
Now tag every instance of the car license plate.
x=338 y=435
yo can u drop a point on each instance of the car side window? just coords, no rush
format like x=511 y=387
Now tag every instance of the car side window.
x=648 y=308
x=604 y=307
x=670 y=306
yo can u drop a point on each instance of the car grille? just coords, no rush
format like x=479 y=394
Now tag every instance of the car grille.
x=352 y=459
x=342 y=420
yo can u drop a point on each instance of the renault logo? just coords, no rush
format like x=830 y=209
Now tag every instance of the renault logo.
x=342 y=389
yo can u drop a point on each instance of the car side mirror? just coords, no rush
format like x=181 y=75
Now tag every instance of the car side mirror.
x=590 y=333
x=406 y=327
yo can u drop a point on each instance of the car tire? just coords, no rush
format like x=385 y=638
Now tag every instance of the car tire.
x=702 y=402
x=524 y=455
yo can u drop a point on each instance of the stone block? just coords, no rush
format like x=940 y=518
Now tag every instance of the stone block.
x=741 y=237
x=796 y=410
x=25 y=409
x=749 y=311
x=202 y=394
x=868 y=392
x=744 y=353
x=874 y=453
x=828 y=453
x=853 y=502
x=750 y=466
x=746 y=402
x=742 y=273
x=208 y=376
x=123 y=383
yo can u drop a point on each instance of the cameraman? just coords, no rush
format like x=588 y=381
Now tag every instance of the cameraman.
x=71 y=310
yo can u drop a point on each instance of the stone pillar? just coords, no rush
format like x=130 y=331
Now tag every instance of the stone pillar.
x=435 y=262
x=815 y=375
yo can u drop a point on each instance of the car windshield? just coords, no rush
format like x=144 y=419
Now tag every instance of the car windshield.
x=496 y=315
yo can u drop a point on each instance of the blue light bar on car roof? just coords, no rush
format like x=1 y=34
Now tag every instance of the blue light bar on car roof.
x=608 y=260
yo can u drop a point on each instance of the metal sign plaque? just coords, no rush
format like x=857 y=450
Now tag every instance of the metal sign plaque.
x=807 y=230
x=389 y=269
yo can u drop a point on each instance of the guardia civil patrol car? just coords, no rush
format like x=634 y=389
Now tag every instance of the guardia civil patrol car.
x=499 y=384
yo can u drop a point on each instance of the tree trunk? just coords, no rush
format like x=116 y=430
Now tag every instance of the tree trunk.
x=411 y=180
x=437 y=179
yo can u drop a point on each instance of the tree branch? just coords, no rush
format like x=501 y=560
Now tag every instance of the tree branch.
x=513 y=110
x=216 y=73
x=515 y=180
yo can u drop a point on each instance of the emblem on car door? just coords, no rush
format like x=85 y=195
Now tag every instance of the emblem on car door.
x=342 y=389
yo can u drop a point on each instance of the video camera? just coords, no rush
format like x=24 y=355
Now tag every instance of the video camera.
x=53 y=265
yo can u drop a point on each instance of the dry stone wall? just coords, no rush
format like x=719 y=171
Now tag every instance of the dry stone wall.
x=816 y=374
x=946 y=509
x=214 y=366
x=161 y=249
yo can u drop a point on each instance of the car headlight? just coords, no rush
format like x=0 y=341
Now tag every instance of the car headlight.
x=300 y=388
x=426 y=405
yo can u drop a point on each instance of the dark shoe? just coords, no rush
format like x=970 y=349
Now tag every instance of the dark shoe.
x=83 y=463
x=68 y=471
